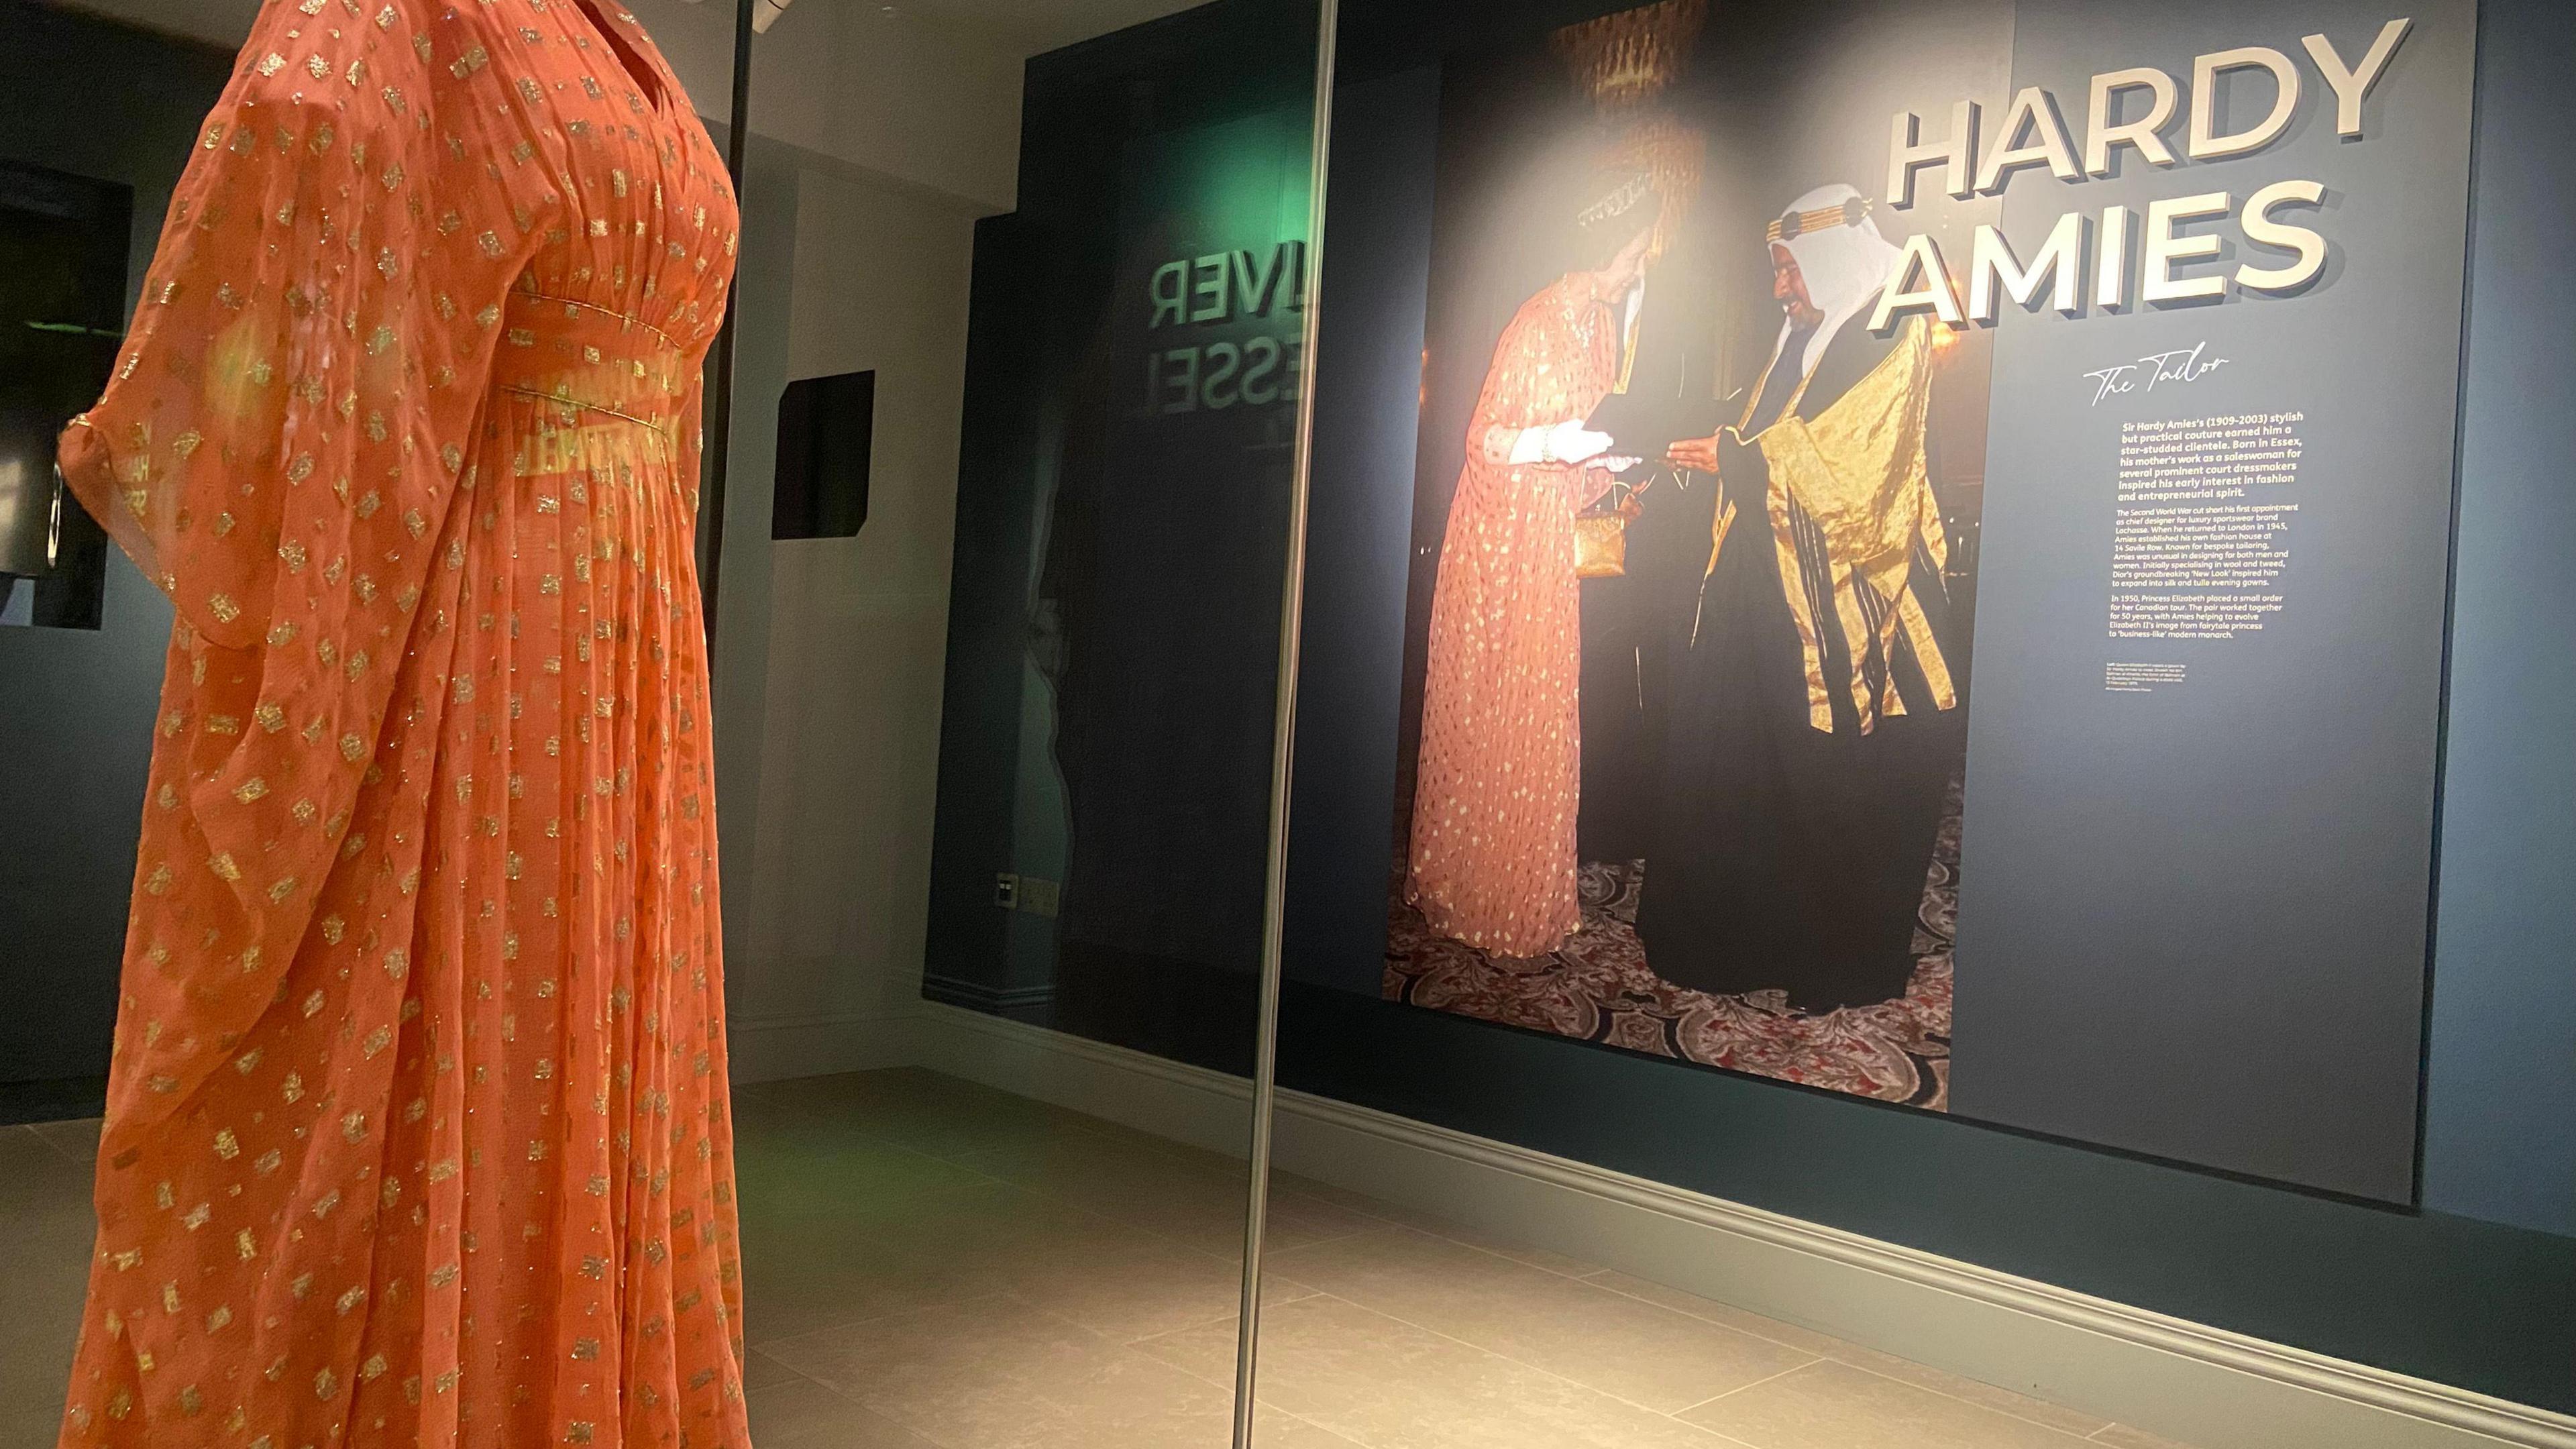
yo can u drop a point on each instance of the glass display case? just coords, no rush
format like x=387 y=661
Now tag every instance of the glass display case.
x=1340 y=724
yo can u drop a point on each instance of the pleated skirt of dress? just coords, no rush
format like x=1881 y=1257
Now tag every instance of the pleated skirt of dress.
x=537 y=1156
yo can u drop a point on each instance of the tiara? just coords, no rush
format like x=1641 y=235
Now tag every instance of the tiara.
x=1617 y=203
x=1799 y=223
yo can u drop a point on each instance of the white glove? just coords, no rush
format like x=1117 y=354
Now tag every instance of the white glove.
x=1568 y=442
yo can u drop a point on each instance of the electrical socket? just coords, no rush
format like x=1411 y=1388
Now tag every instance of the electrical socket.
x=1038 y=895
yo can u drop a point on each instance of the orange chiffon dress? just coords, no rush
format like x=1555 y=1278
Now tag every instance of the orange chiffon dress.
x=417 y=1131
x=1496 y=778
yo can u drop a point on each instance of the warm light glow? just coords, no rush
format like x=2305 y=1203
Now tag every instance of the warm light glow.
x=1622 y=62
x=1623 y=59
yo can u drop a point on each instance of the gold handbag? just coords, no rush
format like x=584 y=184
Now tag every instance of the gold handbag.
x=1601 y=539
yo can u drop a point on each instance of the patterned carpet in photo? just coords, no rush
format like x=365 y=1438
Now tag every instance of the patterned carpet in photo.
x=1598 y=987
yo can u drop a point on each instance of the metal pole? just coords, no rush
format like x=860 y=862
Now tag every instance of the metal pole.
x=719 y=410
x=1283 y=739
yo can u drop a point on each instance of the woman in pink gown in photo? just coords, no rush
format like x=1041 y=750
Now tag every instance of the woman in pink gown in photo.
x=1491 y=857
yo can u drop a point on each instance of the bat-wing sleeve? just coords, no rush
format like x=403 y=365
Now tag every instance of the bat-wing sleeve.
x=288 y=427
x=1541 y=375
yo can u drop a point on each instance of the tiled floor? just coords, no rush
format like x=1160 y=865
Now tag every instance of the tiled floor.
x=935 y=1265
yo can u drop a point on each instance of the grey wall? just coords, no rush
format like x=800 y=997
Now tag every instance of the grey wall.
x=828 y=654
x=829 y=842
x=2500 y=1119
x=764 y=289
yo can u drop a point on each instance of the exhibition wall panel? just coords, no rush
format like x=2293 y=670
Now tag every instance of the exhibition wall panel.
x=2180 y=681
x=2240 y=1253
x=2277 y=1195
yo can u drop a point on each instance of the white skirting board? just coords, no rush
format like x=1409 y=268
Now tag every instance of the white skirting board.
x=779 y=1048
x=2204 y=1386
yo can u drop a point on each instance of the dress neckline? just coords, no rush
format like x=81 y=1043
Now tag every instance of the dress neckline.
x=635 y=54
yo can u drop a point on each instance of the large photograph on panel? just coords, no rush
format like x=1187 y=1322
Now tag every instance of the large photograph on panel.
x=1928 y=558
x=1659 y=800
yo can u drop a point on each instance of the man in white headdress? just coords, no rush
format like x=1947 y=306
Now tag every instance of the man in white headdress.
x=1816 y=721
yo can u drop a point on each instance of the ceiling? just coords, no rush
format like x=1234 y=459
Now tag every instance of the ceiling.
x=1023 y=27
x=1019 y=27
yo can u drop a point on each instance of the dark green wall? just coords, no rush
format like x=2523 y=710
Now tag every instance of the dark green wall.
x=1040 y=458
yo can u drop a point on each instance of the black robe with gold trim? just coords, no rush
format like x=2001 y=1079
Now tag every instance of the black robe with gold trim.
x=1815 y=723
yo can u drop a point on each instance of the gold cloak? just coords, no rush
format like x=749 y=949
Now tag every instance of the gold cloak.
x=1853 y=480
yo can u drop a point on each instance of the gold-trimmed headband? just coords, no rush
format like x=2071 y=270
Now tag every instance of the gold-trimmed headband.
x=1799 y=223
